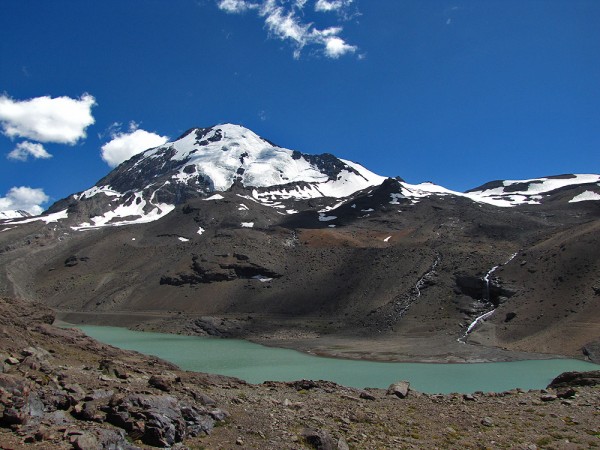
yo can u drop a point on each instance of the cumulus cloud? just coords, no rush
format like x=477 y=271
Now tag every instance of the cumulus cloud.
x=24 y=150
x=282 y=22
x=124 y=145
x=336 y=47
x=61 y=120
x=24 y=198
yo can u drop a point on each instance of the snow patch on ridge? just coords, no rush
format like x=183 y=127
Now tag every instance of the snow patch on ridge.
x=585 y=196
x=14 y=214
x=215 y=197
x=48 y=218
x=132 y=213
x=324 y=218
x=94 y=190
x=510 y=194
x=531 y=191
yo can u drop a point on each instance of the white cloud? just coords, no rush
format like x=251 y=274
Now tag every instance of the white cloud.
x=287 y=26
x=24 y=150
x=24 y=198
x=331 y=5
x=235 y=6
x=336 y=47
x=124 y=145
x=283 y=23
x=300 y=3
x=44 y=119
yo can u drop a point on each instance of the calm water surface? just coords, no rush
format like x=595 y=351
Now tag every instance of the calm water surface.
x=256 y=363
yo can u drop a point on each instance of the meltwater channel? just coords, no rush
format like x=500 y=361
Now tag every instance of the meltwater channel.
x=256 y=363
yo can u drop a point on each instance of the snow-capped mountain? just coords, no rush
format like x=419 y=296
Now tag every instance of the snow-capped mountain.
x=208 y=160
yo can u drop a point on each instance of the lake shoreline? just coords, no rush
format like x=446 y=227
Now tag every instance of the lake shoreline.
x=257 y=364
x=388 y=347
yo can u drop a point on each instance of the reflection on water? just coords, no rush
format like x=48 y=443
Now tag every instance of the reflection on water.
x=256 y=363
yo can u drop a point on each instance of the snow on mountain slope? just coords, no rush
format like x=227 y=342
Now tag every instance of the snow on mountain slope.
x=507 y=193
x=520 y=192
x=208 y=160
x=14 y=214
x=586 y=196
x=215 y=158
x=205 y=162
x=48 y=218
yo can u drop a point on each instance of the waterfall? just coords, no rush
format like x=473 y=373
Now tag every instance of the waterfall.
x=484 y=316
x=486 y=278
x=478 y=319
x=421 y=282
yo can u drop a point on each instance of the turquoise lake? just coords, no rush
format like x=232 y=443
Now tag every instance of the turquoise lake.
x=256 y=363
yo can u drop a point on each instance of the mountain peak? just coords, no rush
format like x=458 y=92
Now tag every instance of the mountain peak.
x=212 y=159
x=231 y=130
x=203 y=161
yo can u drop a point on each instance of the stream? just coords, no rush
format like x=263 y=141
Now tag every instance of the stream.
x=487 y=299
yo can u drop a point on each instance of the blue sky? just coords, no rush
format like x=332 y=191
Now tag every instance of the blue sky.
x=455 y=92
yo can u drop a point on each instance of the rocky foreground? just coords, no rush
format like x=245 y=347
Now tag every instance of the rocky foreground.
x=60 y=390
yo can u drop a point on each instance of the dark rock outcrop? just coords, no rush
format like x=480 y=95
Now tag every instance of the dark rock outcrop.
x=160 y=420
x=567 y=379
x=476 y=287
x=592 y=351
x=225 y=268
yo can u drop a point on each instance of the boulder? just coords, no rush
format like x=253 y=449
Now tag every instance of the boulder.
x=319 y=439
x=399 y=389
x=342 y=444
x=101 y=438
x=18 y=404
x=84 y=441
x=36 y=359
x=487 y=422
x=111 y=368
x=91 y=410
x=160 y=382
x=566 y=393
x=365 y=395
x=203 y=399
x=303 y=385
